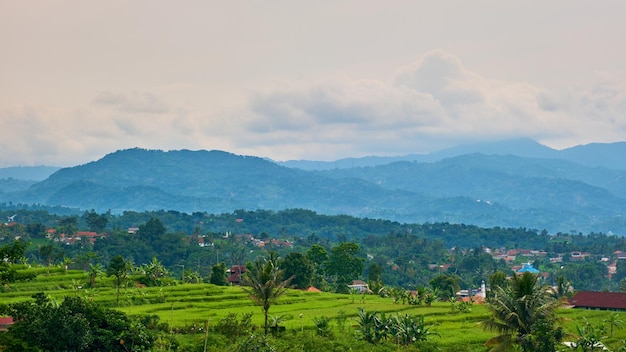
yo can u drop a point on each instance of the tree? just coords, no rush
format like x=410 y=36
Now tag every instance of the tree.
x=345 y=265
x=74 y=325
x=68 y=225
x=299 y=267
x=95 y=221
x=94 y=271
x=614 y=321
x=523 y=313
x=447 y=286
x=118 y=267
x=218 y=274
x=154 y=272
x=318 y=256
x=590 y=337
x=265 y=284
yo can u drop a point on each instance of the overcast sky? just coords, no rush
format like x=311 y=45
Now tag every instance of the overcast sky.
x=317 y=80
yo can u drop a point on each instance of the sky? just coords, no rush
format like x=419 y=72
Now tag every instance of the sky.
x=314 y=80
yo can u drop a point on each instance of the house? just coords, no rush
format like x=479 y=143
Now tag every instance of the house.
x=599 y=300
x=234 y=274
x=5 y=323
x=359 y=286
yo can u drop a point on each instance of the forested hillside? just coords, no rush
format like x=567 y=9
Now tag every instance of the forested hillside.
x=485 y=190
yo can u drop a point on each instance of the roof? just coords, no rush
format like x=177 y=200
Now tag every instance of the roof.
x=600 y=300
x=528 y=267
x=313 y=289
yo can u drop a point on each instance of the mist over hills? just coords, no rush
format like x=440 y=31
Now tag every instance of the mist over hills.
x=518 y=183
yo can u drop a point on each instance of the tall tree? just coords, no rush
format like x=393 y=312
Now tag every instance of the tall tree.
x=118 y=267
x=96 y=222
x=345 y=265
x=523 y=313
x=264 y=283
x=218 y=274
x=298 y=266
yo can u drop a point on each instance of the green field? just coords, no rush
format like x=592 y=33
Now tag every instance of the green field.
x=184 y=306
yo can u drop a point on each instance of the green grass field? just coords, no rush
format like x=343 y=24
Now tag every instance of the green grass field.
x=194 y=304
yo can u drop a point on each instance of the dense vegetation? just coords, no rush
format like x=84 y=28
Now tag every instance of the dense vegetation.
x=406 y=255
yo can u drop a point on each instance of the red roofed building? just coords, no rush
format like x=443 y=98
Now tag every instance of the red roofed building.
x=235 y=273
x=599 y=300
x=5 y=322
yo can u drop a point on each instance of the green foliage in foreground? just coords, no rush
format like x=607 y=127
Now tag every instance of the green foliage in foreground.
x=224 y=317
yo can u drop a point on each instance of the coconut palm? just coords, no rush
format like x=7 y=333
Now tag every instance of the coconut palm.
x=523 y=313
x=265 y=284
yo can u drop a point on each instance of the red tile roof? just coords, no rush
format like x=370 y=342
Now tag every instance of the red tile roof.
x=600 y=300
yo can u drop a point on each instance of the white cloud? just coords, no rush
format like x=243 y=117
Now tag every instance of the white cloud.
x=433 y=103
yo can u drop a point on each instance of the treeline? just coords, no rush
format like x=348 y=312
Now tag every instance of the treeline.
x=407 y=255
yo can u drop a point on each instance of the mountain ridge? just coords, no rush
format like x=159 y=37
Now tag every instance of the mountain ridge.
x=479 y=189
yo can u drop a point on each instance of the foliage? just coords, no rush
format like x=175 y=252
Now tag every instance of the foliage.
x=298 y=266
x=265 y=284
x=322 y=325
x=96 y=222
x=405 y=329
x=345 y=265
x=447 y=286
x=218 y=274
x=255 y=343
x=154 y=273
x=118 y=267
x=74 y=325
x=232 y=327
x=523 y=313
x=590 y=337
x=10 y=255
x=614 y=321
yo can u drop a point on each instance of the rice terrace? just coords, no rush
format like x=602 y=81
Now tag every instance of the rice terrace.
x=185 y=311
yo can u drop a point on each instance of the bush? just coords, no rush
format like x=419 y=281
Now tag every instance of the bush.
x=233 y=327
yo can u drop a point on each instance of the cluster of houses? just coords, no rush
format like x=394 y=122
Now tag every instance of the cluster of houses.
x=78 y=237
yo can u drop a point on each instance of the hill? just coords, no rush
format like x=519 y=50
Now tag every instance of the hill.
x=607 y=155
x=480 y=189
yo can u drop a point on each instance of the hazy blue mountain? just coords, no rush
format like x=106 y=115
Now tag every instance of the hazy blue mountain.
x=609 y=155
x=521 y=147
x=496 y=188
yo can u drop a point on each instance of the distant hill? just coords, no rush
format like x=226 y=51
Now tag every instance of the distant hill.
x=494 y=188
x=609 y=155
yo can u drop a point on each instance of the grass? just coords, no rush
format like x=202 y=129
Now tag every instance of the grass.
x=193 y=304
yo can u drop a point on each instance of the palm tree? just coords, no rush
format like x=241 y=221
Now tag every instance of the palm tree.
x=118 y=267
x=523 y=313
x=265 y=283
x=94 y=271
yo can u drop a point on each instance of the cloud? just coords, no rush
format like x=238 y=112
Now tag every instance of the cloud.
x=132 y=103
x=433 y=103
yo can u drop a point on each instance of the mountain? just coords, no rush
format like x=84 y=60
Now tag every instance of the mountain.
x=608 y=155
x=486 y=189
